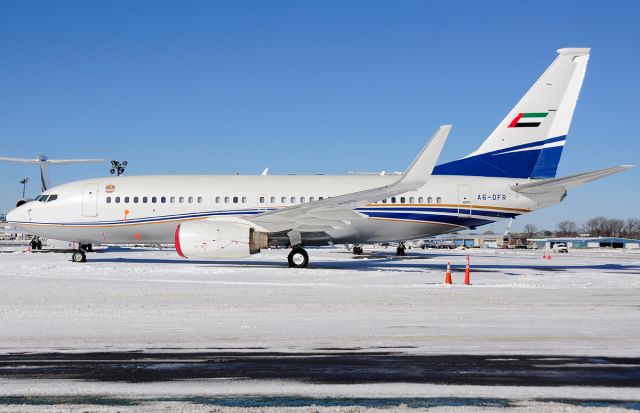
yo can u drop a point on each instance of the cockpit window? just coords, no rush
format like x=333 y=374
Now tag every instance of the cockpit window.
x=52 y=198
x=43 y=198
x=38 y=198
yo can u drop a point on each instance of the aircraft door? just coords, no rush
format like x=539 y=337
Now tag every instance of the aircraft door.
x=90 y=200
x=464 y=199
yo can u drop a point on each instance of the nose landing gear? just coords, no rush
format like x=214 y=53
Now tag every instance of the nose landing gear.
x=79 y=256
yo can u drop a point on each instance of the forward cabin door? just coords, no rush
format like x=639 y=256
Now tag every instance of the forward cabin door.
x=464 y=200
x=90 y=200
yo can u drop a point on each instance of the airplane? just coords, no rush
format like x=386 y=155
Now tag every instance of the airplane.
x=44 y=162
x=513 y=172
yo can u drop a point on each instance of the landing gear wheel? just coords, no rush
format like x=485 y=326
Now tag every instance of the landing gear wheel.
x=400 y=251
x=357 y=250
x=79 y=256
x=298 y=258
x=39 y=244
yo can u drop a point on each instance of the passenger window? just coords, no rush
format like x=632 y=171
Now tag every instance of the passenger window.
x=273 y=199
x=320 y=198
x=191 y=200
x=235 y=199
x=420 y=199
x=181 y=200
x=430 y=200
x=261 y=200
x=145 y=199
x=52 y=198
x=302 y=199
x=311 y=199
x=402 y=200
x=244 y=199
x=135 y=199
x=126 y=199
x=293 y=199
x=217 y=200
x=411 y=200
x=172 y=199
x=226 y=199
x=154 y=199
x=199 y=199
x=108 y=200
x=163 y=200
x=393 y=199
x=439 y=200
x=283 y=200
x=117 y=200
x=384 y=201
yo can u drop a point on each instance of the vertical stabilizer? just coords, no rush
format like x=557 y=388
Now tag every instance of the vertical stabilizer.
x=529 y=140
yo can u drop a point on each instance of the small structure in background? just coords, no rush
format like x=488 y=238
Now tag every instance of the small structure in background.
x=24 y=186
x=586 y=242
x=118 y=167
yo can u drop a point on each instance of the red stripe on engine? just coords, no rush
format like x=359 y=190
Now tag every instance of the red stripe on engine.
x=515 y=120
x=176 y=241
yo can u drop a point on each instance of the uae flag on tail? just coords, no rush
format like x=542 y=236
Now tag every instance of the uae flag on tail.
x=528 y=120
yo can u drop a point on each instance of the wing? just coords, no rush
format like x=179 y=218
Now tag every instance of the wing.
x=323 y=214
x=67 y=161
x=19 y=160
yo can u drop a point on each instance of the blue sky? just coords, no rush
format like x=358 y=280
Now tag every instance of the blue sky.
x=307 y=87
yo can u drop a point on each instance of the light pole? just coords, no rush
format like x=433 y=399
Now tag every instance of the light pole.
x=24 y=186
x=117 y=167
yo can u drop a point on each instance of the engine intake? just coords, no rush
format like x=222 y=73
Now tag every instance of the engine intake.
x=218 y=239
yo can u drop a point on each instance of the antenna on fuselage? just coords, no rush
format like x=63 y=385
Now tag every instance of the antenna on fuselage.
x=44 y=163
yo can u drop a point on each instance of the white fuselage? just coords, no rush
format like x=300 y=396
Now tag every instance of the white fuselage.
x=147 y=209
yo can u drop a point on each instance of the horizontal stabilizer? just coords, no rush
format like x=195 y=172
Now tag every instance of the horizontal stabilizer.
x=562 y=184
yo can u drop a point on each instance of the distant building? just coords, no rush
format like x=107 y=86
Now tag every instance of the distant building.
x=586 y=242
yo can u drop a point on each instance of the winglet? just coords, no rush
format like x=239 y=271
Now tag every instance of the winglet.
x=421 y=168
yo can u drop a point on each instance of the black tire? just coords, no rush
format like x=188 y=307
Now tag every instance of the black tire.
x=298 y=258
x=400 y=252
x=357 y=250
x=39 y=245
x=33 y=244
x=79 y=256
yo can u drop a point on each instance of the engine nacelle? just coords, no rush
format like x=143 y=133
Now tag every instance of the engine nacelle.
x=218 y=239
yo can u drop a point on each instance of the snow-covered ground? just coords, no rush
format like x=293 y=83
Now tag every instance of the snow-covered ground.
x=581 y=303
x=584 y=303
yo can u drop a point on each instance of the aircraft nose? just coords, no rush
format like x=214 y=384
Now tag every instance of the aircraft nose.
x=16 y=215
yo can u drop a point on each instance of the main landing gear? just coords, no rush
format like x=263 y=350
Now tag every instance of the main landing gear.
x=357 y=250
x=298 y=258
x=400 y=250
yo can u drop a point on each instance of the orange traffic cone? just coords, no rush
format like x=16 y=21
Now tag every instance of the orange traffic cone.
x=28 y=247
x=549 y=255
x=467 y=274
x=447 y=278
x=544 y=254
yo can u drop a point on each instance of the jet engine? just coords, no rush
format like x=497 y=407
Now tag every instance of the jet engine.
x=218 y=239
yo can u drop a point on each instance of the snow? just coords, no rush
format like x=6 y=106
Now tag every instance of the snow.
x=581 y=303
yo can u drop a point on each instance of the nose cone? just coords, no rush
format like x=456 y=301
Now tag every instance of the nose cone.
x=17 y=215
